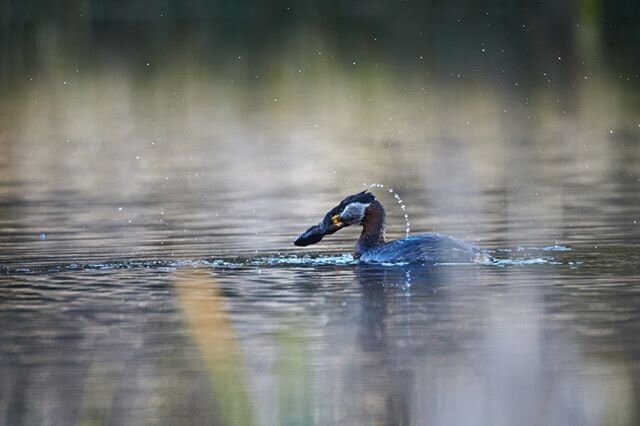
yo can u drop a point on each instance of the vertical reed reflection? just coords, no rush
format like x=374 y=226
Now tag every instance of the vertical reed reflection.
x=206 y=318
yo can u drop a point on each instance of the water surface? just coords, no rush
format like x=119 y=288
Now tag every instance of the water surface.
x=151 y=188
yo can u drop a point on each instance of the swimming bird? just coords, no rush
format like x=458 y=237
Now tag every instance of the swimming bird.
x=363 y=209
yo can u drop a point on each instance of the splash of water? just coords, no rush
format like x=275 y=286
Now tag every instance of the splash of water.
x=398 y=200
x=275 y=260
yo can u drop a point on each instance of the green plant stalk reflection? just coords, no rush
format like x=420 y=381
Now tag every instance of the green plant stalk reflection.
x=205 y=316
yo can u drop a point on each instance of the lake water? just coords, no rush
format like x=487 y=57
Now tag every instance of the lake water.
x=148 y=207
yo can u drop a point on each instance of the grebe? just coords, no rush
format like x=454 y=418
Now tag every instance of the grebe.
x=363 y=209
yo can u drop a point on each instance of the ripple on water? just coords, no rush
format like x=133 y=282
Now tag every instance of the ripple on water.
x=528 y=256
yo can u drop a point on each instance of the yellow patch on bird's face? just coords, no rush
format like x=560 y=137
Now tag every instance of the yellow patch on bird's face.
x=335 y=219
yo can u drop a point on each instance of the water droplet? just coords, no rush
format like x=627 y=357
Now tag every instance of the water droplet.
x=398 y=200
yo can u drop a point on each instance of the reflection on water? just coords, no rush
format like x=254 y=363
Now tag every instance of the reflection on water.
x=154 y=171
x=352 y=344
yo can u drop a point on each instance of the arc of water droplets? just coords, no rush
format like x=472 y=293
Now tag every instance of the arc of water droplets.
x=398 y=200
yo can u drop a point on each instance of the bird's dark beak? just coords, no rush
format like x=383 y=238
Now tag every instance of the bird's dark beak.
x=313 y=235
x=310 y=236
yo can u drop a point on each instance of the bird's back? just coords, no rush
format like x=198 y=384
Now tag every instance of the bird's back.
x=425 y=248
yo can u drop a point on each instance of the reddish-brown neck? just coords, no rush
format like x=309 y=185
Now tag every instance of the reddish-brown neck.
x=372 y=228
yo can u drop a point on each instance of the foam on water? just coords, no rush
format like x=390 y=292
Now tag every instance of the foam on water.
x=526 y=256
x=556 y=247
x=169 y=265
x=521 y=262
x=345 y=259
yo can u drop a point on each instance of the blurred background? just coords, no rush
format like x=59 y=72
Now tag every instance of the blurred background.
x=139 y=138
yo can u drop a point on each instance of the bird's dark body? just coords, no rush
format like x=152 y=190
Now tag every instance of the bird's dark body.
x=424 y=248
x=363 y=209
